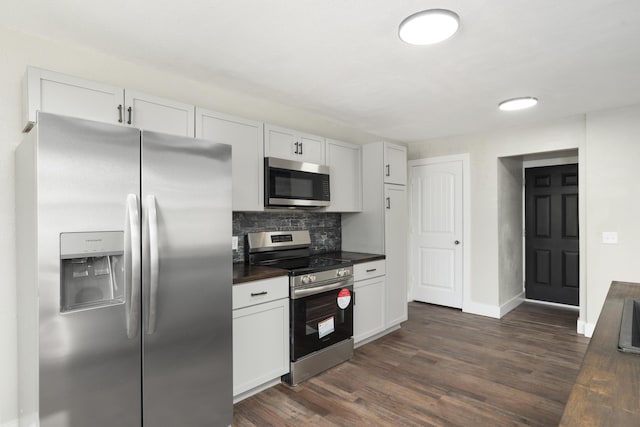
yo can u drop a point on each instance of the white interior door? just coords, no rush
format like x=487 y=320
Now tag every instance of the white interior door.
x=436 y=232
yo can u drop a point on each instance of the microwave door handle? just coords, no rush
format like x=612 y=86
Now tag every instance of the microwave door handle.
x=154 y=264
x=132 y=265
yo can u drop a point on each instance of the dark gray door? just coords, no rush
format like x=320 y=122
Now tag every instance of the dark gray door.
x=552 y=246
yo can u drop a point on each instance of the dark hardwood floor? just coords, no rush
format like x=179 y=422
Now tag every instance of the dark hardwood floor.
x=442 y=368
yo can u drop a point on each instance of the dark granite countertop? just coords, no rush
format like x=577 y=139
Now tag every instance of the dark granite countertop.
x=354 y=257
x=243 y=273
x=607 y=390
x=246 y=273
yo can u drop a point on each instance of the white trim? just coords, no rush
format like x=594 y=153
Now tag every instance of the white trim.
x=588 y=329
x=481 y=309
x=553 y=304
x=466 y=225
x=237 y=398
x=580 y=326
x=511 y=304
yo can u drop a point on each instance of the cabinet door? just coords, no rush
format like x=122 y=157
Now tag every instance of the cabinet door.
x=260 y=344
x=150 y=112
x=369 y=308
x=246 y=138
x=395 y=235
x=293 y=145
x=280 y=142
x=311 y=148
x=395 y=164
x=344 y=161
x=58 y=93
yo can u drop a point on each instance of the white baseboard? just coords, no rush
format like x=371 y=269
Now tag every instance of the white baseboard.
x=481 y=309
x=256 y=390
x=511 y=304
x=588 y=329
x=580 y=326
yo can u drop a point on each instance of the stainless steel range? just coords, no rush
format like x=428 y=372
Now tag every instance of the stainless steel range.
x=321 y=300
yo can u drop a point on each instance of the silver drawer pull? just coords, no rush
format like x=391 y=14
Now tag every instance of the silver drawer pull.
x=371 y=270
x=257 y=294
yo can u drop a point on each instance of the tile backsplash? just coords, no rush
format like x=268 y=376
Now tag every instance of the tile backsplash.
x=325 y=228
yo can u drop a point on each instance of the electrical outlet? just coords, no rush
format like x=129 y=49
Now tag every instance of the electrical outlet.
x=610 y=237
x=234 y=243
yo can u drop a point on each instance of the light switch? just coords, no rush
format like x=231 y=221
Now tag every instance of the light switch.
x=234 y=243
x=610 y=237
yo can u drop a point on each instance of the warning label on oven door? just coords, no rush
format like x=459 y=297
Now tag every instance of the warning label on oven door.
x=344 y=298
x=325 y=327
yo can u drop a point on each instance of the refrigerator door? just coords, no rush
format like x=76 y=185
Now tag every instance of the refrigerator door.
x=187 y=278
x=87 y=221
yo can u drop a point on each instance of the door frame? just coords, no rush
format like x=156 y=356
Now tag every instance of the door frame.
x=466 y=222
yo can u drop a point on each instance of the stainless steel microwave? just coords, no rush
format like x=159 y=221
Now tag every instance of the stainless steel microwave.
x=288 y=183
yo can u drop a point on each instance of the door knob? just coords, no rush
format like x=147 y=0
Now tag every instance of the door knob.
x=457 y=242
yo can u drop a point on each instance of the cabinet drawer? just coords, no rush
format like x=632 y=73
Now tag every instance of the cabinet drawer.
x=367 y=270
x=259 y=291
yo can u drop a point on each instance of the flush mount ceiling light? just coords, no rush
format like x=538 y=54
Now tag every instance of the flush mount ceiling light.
x=429 y=27
x=518 y=103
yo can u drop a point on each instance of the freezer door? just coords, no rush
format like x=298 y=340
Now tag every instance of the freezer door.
x=87 y=221
x=187 y=278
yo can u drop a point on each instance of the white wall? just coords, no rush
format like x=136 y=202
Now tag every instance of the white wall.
x=613 y=202
x=608 y=145
x=16 y=52
x=510 y=268
x=485 y=150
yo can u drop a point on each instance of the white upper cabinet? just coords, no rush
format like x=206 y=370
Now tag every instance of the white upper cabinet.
x=58 y=93
x=71 y=96
x=345 y=168
x=157 y=114
x=395 y=164
x=293 y=145
x=246 y=137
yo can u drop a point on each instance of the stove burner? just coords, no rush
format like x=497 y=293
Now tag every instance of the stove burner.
x=305 y=265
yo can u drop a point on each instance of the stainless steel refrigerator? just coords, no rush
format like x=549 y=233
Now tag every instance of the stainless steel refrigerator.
x=124 y=277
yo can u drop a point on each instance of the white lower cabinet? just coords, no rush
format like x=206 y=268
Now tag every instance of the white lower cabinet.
x=370 y=300
x=260 y=335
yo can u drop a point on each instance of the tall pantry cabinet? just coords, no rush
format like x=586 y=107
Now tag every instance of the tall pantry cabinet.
x=381 y=227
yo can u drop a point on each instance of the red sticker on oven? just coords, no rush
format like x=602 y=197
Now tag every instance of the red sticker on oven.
x=344 y=298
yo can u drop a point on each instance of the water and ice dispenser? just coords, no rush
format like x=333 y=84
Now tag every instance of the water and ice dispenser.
x=91 y=270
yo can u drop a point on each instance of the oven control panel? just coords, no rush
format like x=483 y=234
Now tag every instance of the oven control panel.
x=321 y=277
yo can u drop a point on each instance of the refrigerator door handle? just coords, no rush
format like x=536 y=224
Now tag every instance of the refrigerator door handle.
x=132 y=260
x=154 y=264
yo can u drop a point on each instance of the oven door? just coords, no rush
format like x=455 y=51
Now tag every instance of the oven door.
x=321 y=319
x=290 y=183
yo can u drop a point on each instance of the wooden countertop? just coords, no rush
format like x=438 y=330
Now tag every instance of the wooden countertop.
x=243 y=273
x=607 y=390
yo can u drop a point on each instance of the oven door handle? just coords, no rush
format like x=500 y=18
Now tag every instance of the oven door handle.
x=305 y=292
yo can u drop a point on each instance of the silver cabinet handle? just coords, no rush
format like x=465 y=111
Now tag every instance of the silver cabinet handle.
x=371 y=270
x=388 y=169
x=257 y=294
x=388 y=202
x=129 y=111
x=132 y=265
x=154 y=264
x=120 y=113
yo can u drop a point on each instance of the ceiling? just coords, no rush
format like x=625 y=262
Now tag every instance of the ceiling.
x=343 y=59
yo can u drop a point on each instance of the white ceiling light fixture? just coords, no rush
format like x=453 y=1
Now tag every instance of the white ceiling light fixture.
x=429 y=27
x=518 y=103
